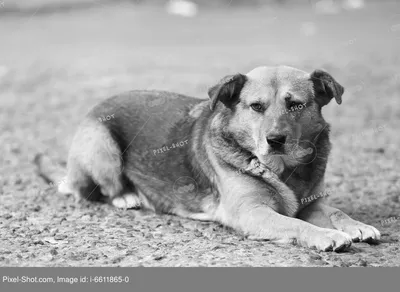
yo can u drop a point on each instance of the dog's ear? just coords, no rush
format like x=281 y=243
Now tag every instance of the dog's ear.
x=227 y=90
x=326 y=87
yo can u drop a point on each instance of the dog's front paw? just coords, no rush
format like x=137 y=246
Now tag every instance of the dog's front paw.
x=126 y=201
x=325 y=239
x=358 y=230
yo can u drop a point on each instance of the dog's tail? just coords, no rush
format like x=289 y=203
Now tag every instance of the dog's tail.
x=52 y=173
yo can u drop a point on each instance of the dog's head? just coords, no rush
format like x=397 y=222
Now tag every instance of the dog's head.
x=275 y=112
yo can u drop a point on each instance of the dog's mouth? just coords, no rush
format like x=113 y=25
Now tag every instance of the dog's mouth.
x=277 y=152
x=282 y=150
x=292 y=151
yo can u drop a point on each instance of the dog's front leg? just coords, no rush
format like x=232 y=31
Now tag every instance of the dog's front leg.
x=325 y=216
x=263 y=223
x=243 y=208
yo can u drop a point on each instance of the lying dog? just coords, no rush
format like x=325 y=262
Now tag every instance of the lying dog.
x=247 y=158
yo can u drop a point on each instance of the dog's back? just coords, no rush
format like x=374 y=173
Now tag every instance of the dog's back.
x=132 y=149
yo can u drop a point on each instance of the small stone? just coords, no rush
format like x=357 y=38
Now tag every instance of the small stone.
x=315 y=257
x=37 y=208
x=158 y=258
x=217 y=247
x=60 y=237
x=148 y=236
x=85 y=218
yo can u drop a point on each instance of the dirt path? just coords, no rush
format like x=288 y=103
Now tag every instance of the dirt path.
x=54 y=68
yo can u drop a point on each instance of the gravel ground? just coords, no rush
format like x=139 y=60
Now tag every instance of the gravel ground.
x=55 y=67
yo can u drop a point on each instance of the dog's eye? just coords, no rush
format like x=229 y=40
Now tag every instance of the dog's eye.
x=257 y=107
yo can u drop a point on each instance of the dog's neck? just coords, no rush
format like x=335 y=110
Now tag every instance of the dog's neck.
x=197 y=156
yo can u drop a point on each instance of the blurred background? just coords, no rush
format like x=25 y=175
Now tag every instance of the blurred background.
x=59 y=58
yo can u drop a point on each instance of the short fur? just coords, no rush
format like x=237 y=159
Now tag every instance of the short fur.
x=214 y=160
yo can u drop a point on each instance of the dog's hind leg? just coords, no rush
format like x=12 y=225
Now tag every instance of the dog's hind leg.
x=95 y=167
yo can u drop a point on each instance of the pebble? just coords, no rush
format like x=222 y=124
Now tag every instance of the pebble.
x=60 y=236
x=315 y=257
x=158 y=258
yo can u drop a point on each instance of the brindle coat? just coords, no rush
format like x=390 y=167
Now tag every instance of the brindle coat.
x=245 y=158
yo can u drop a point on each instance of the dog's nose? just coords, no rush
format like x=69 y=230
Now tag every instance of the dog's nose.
x=276 y=141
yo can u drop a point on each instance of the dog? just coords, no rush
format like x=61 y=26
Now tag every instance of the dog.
x=247 y=157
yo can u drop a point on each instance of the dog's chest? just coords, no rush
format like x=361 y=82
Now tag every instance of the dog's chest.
x=303 y=181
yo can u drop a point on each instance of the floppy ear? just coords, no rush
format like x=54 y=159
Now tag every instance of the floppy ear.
x=227 y=90
x=326 y=87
